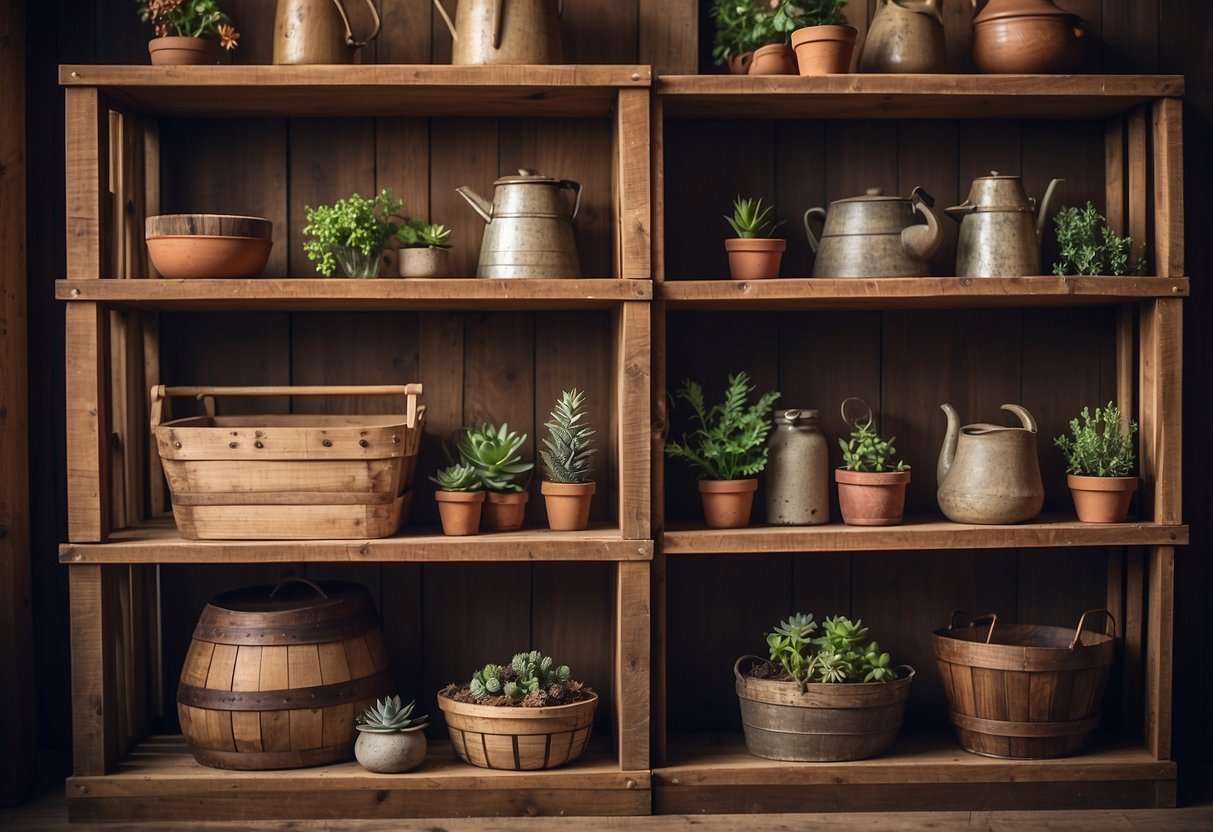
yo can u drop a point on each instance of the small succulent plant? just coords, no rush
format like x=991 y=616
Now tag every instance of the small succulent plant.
x=387 y=715
x=417 y=233
x=567 y=458
x=837 y=655
x=866 y=451
x=493 y=453
x=457 y=477
x=526 y=673
x=749 y=218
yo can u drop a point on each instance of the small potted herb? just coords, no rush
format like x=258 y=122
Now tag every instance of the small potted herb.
x=1099 y=464
x=390 y=739
x=752 y=37
x=188 y=32
x=1089 y=246
x=727 y=450
x=351 y=233
x=871 y=487
x=493 y=453
x=568 y=489
x=527 y=715
x=425 y=249
x=824 y=697
x=825 y=43
x=460 y=496
x=753 y=253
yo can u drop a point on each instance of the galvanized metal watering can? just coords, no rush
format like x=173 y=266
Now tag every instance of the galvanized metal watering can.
x=1000 y=228
x=316 y=32
x=989 y=473
x=505 y=31
x=875 y=236
x=530 y=227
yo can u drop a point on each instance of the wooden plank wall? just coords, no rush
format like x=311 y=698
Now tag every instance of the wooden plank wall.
x=815 y=359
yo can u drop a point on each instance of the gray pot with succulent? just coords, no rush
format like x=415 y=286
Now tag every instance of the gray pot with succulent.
x=494 y=454
x=390 y=739
x=425 y=250
x=568 y=489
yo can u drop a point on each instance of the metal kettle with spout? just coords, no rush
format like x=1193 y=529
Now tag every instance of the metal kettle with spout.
x=529 y=231
x=989 y=474
x=316 y=32
x=1001 y=228
x=505 y=31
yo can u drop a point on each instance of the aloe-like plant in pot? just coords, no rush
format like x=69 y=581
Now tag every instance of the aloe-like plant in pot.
x=871 y=486
x=460 y=496
x=1099 y=464
x=753 y=253
x=390 y=739
x=351 y=233
x=824 y=693
x=566 y=454
x=424 y=248
x=494 y=453
x=825 y=42
x=727 y=450
x=526 y=715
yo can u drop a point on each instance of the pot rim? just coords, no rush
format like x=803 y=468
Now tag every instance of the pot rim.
x=449 y=705
x=506 y=497
x=444 y=496
x=366 y=729
x=739 y=486
x=810 y=34
x=755 y=244
x=1087 y=482
x=1046 y=9
x=568 y=489
x=848 y=477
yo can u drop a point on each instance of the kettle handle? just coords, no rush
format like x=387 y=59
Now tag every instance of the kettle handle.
x=808 y=231
x=576 y=187
x=446 y=18
x=349 y=33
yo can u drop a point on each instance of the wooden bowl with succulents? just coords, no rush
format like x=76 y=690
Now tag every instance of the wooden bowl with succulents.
x=524 y=716
x=493 y=453
x=390 y=739
x=192 y=246
x=568 y=489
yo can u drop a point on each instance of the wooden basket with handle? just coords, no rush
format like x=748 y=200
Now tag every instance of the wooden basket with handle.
x=288 y=476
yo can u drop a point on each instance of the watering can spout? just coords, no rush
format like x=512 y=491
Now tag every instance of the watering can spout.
x=948 y=452
x=479 y=204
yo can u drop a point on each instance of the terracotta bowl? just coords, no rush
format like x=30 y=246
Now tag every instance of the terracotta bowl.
x=208 y=245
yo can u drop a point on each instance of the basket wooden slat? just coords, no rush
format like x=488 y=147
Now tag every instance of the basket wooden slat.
x=518 y=739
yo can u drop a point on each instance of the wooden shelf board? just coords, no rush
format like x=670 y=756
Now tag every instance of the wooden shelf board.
x=910 y=96
x=159 y=780
x=715 y=774
x=918 y=533
x=914 y=292
x=585 y=91
x=319 y=294
x=158 y=542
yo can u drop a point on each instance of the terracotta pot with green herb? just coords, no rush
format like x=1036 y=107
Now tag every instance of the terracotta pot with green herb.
x=727 y=450
x=752 y=37
x=351 y=233
x=568 y=489
x=425 y=249
x=188 y=32
x=1088 y=245
x=1099 y=463
x=460 y=497
x=753 y=253
x=390 y=739
x=825 y=43
x=494 y=453
x=871 y=487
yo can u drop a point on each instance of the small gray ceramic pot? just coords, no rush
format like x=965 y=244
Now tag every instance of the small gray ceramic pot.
x=390 y=752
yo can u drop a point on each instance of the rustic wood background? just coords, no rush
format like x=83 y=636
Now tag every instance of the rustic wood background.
x=511 y=365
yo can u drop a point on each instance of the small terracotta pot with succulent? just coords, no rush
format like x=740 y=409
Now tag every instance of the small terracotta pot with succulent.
x=871 y=487
x=390 y=739
x=728 y=449
x=494 y=454
x=527 y=715
x=568 y=489
x=188 y=32
x=753 y=253
x=460 y=497
x=1099 y=464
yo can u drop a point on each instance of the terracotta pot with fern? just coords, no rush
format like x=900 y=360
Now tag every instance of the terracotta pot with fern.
x=568 y=490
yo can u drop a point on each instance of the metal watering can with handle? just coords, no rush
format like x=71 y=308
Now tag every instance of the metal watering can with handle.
x=505 y=31
x=988 y=473
x=316 y=32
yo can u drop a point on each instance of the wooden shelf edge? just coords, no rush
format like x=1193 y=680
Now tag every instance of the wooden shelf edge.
x=917 y=534
x=159 y=542
x=316 y=294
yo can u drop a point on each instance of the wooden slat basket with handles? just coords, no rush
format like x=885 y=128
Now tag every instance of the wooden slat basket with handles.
x=275 y=676
x=1021 y=690
x=288 y=476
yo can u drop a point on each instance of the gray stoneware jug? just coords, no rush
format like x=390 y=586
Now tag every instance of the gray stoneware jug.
x=875 y=236
x=1000 y=228
x=530 y=227
x=905 y=36
x=797 y=478
x=987 y=473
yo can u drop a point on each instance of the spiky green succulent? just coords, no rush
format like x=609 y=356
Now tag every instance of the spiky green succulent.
x=526 y=673
x=387 y=715
x=567 y=458
x=457 y=477
x=493 y=452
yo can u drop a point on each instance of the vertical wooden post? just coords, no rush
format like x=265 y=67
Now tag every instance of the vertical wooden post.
x=17 y=702
x=632 y=634
x=1160 y=630
x=1168 y=188
x=1160 y=410
x=94 y=597
x=657 y=163
x=1139 y=169
x=660 y=429
x=632 y=416
x=632 y=164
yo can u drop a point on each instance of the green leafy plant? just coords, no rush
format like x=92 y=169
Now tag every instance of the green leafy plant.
x=529 y=679
x=750 y=219
x=866 y=451
x=837 y=655
x=188 y=18
x=567 y=458
x=745 y=25
x=354 y=224
x=1097 y=447
x=493 y=453
x=457 y=477
x=730 y=442
x=387 y=715
x=1089 y=246
x=417 y=233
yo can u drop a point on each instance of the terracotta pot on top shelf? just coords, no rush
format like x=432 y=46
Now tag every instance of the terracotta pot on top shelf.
x=568 y=504
x=754 y=258
x=740 y=64
x=460 y=511
x=177 y=50
x=773 y=59
x=727 y=503
x=1101 y=499
x=824 y=50
x=504 y=511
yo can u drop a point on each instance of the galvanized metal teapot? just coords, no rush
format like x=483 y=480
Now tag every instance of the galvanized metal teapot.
x=987 y=473
x=316 y=32
x=530 y=227
x=875 y=236
x=505 y=31
x=905 y=36
x=1000 y=228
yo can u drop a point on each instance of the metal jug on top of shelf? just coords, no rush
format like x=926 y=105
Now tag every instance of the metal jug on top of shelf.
x=505 y=31
x=530 y=227
x=316 y=32
x=1000 y=228
x=989 y=474
x=905 y=36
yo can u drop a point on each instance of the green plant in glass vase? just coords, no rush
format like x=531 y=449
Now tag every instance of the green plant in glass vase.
x=351 y=233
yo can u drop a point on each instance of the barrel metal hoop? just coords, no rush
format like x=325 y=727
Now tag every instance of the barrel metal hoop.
x=317 y=696
x=338 y=629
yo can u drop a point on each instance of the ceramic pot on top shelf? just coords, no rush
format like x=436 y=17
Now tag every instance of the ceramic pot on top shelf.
x=905 y=36
x=989 y=474
x=1026 y=36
